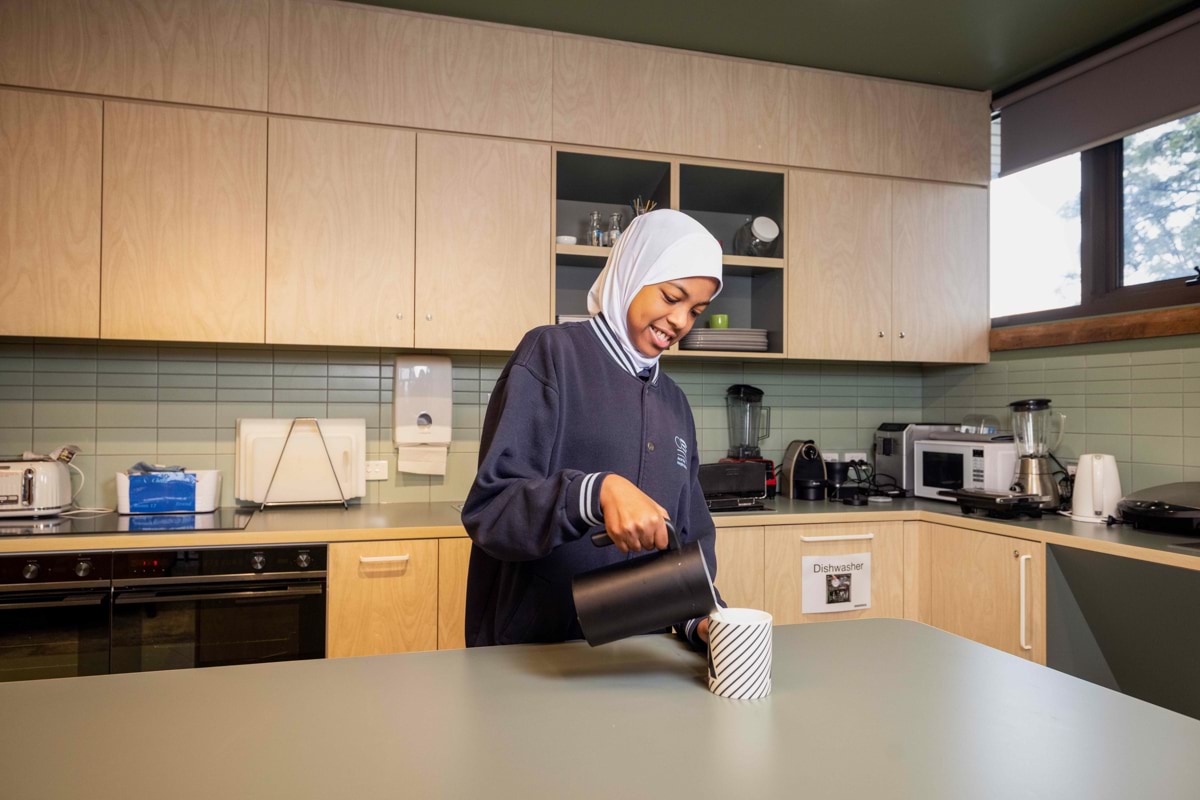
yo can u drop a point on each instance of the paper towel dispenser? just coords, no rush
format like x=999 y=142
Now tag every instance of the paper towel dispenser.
x=422 y=410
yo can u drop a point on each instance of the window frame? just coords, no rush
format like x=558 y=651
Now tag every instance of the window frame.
x=1102 y=250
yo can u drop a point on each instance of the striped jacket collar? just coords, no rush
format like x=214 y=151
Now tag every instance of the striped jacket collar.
x=609 y=340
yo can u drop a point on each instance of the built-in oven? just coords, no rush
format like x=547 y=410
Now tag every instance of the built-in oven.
x=54 y=615
x=199 y=608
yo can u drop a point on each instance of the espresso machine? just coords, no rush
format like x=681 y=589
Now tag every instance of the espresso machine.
x=1033 y=424
x=748 y=425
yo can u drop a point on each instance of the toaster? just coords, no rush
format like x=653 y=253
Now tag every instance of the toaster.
x=35 y=488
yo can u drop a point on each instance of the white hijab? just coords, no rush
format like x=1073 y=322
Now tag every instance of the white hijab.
x=663 y=245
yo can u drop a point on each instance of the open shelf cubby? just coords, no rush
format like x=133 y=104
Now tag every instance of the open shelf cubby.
x=724 y=199
x=587 y=183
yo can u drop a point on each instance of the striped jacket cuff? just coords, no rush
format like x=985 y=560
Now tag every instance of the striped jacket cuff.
x=583 y=501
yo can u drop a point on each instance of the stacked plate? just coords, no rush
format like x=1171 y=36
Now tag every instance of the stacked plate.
x=742 y=340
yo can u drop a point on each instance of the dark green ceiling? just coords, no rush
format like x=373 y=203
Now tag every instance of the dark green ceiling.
x=975 y=44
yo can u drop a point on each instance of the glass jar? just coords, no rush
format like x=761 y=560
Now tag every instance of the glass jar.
x=756 y=238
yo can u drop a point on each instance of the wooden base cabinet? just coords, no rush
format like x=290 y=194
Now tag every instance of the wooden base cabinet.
x=787 y=545
x=383 y=598
x=740 y=561
x=990 y=589
x=453 y=557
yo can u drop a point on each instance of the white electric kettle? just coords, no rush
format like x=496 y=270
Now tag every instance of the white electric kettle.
x=1097 y=488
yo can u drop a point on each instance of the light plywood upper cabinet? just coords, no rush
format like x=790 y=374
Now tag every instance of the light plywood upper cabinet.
x=340 y=61
x=837 y=121
x=483 y=241
x=840 y=267
x=736 y=109
x=976 y=582
x=611 y=94
x=936 y=134
x=205 y=52
x=340 y=228
x=939 y=272
x=184 y=234
x=50 y=151
x=618 y=95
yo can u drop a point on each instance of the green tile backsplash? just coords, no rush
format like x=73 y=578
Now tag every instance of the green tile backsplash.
x=1138 y=400
x=172 y=403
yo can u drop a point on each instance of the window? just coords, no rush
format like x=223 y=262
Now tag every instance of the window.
x=1115 y=228
x=1161 y=181
x=1034 y=243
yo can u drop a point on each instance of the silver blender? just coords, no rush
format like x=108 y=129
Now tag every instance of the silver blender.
x=1033 y=424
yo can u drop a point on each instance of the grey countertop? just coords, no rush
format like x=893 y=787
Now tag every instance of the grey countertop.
x=871 y=709
x=442 y=520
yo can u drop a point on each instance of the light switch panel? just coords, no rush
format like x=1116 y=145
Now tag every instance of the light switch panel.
x=377 y=470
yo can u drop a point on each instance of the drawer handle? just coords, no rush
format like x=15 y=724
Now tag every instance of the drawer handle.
x=849 y=537
x=1024 y=644
x=382 y=559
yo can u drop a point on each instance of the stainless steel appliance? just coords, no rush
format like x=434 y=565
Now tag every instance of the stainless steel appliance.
x=54 y=611
x=174 y=609
x=1033 y=424
x=943 y=465
x=893 y=456
x=37 y=487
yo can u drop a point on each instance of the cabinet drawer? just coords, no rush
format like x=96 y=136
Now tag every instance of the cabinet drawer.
x=787 y=545
x=382 y=597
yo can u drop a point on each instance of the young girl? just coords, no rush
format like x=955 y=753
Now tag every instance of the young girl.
x=584 y=433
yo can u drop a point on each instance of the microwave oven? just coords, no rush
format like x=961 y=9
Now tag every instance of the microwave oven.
x=942 y=464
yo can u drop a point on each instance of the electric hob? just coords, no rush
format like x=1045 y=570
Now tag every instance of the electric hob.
x=223 y=519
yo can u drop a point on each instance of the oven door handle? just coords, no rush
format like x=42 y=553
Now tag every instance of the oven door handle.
x=65 y=602
x=132 y=598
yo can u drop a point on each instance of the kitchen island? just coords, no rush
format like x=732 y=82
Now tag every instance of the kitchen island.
x=863 y=709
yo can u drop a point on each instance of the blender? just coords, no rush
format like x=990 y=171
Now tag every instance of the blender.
x=1033 y=424
x=747 y=427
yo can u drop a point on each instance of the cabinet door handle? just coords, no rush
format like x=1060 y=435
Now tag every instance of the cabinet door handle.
x=1024 y=643
x=879 y=334
x=849 y=537
x=382 y=559
x=902 y=335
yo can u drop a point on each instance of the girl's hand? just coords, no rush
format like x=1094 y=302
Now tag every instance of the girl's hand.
x=633 y=521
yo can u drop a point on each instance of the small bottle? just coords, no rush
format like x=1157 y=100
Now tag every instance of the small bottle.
x=595 y=232
x=614 y=228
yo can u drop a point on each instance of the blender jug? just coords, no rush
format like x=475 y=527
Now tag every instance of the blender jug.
x=743 y=404
x=1033 y=424
x=1034 y=437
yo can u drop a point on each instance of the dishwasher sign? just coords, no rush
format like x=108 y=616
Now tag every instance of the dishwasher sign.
x=836 y=583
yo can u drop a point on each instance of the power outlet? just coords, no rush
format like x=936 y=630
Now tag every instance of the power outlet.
x=859 y=456
x=377 y=470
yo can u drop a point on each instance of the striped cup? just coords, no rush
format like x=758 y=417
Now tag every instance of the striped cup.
x=739 y=653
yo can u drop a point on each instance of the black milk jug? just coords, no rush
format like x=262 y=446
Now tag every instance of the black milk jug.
x=643 y=594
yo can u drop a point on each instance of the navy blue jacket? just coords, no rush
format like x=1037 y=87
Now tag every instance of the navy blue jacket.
x=568 y=409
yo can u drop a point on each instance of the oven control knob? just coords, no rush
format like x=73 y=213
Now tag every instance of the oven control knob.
x=258 y=561
x=83 y=569
x=303 y=560
x=30 y=570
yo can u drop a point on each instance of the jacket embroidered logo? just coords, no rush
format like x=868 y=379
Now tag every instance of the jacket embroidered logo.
x=681 y=452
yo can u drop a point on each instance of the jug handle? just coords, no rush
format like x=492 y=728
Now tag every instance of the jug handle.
x=1062 y=428
x=768 y=433
x=601 y=539
x=1097 y=490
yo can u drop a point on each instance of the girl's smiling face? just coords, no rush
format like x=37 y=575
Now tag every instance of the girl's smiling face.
x=662 y=313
